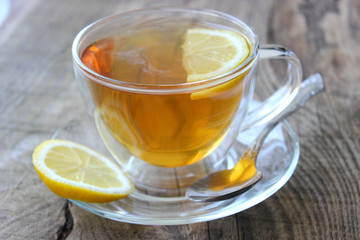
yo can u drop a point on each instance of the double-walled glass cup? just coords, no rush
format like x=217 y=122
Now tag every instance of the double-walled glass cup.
x=167 y=135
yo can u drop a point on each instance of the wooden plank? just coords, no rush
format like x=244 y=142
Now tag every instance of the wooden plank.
x=38 y=94
x=324 y=191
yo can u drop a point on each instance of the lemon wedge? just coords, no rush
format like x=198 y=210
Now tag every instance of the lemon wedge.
x=77 y=172
x=209 y=53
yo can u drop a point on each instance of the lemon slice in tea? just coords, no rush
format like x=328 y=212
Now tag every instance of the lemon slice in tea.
x=209 y=53
x=77 y=172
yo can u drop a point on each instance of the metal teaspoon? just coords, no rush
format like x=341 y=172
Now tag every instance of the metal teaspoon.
x=230 y=183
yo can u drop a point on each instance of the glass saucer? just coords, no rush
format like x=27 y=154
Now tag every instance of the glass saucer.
x=277 y=161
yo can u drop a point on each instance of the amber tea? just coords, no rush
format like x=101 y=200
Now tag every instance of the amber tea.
x=164 y=129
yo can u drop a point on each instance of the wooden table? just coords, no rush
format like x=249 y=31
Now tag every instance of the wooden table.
x=38 y=94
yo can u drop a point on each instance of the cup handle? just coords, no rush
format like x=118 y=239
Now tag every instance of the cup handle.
x=283 y=96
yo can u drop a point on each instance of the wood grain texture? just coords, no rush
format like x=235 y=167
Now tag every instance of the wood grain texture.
x=38 y=94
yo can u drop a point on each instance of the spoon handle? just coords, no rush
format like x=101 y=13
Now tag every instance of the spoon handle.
x=308 y=88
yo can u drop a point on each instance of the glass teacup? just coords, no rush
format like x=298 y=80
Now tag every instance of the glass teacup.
x=167 y=132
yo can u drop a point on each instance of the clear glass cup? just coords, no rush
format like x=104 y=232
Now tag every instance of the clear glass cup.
x=168 y=140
